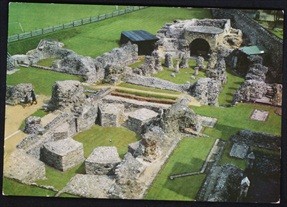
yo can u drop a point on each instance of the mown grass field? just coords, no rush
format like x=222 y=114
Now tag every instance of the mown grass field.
x=97 y=38
x=100 y=136
x=189 y=156
x=183 y=76
x=233 y=83
x=42 y=80
x=33 y=16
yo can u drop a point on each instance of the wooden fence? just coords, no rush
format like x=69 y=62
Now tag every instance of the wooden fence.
x=38 y=32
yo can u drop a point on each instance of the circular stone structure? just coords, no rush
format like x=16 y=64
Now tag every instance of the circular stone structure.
x=102 y=161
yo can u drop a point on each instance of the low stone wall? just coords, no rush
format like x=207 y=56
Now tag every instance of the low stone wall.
x=17 y=94
x=89 y=186
x=92 y=70
x=131 y=104
x=24 y=168
x=155 y=82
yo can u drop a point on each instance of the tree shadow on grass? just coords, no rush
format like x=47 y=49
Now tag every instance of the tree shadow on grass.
x=184 y=185
x=226 y=131
x=81 y=169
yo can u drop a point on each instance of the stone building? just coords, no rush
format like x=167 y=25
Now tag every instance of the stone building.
x=199 y=37
x=62 y=154
x=111 y=115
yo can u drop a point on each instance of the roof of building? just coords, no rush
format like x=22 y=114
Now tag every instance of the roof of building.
x=139 y=35
x=253 y=50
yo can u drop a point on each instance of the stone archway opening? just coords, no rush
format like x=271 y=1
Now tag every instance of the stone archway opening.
x=199 y=47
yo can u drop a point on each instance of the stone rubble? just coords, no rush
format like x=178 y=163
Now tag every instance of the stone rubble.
x=206 y=91
x=179 y=117
x=16 y=94
x=33 y=125
x=127 y=173
x=250 y=90
x=66 y=94
x=89 y=186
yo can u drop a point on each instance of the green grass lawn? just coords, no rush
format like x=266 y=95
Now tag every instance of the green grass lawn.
x=233 y=83
x=189 y=156
x=97 y=38
x=100 y=136
x=59 y=179
x=183 y=76
x=233 y=119
x=12 y=187
x=42 y=80
x=48 y=62
x=33 y=16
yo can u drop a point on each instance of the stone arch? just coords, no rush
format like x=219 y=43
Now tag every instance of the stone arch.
x=199 y=46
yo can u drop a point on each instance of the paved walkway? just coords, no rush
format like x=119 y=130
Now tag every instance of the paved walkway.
x=14 y=116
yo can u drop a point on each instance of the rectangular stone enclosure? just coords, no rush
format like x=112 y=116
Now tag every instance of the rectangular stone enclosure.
x=137 y=119
x=111 y=115
x=62 y=154
x=259 y=115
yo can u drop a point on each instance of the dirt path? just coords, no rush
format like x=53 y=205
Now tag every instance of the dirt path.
x=14 y=116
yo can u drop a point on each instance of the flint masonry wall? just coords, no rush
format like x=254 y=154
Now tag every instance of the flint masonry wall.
x=257 y=35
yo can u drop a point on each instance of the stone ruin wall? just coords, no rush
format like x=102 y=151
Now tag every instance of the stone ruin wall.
x=155 y=82
x=257 y=35
x=177 y=36
x=92 y=70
